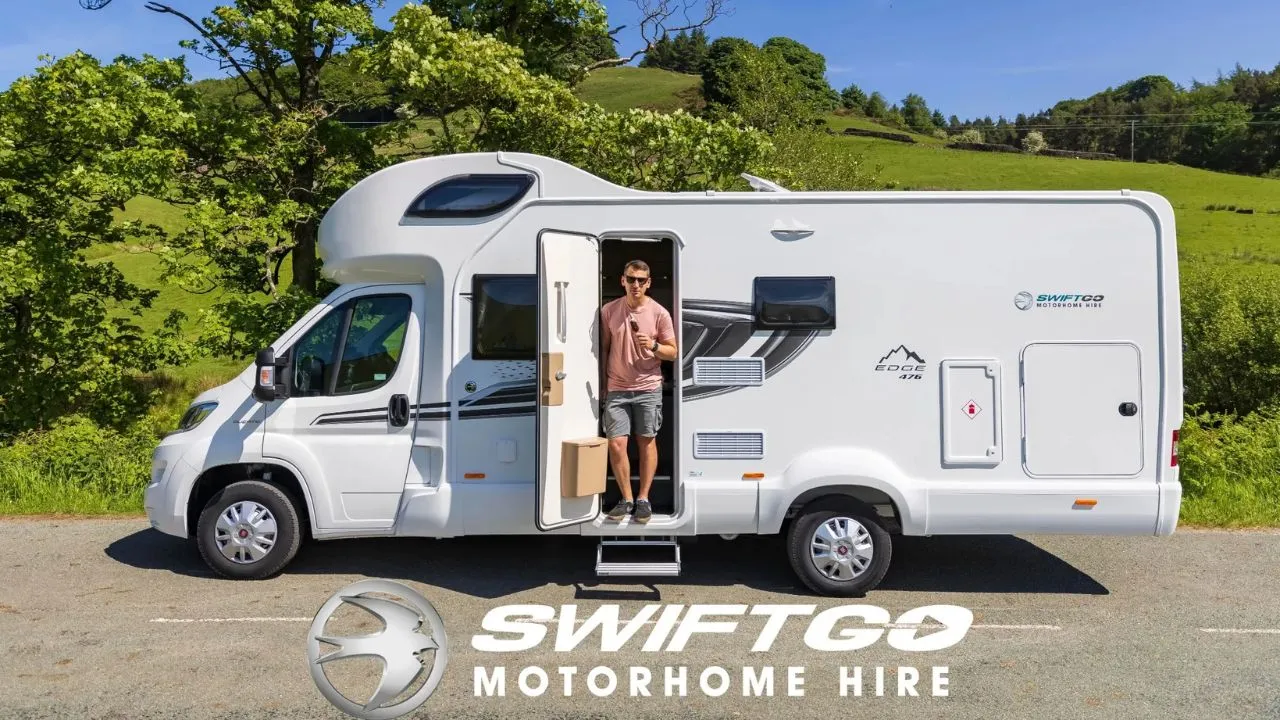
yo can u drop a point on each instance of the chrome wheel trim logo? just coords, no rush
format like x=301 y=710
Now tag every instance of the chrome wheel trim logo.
x=1022 y=300
x=407 y=631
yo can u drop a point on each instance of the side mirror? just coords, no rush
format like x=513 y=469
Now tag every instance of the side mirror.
x=269 y=385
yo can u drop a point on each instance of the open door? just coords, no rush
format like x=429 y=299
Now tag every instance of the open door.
x=573 y=459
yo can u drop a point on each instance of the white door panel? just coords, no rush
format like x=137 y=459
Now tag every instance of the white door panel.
x=347 y=422
x=568 y=370
x=1083 y=408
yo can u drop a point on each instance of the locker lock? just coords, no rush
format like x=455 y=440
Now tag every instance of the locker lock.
x=1128 y=409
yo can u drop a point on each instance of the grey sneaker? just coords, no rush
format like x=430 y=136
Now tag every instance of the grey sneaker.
x=621 y=510
x=643 y=511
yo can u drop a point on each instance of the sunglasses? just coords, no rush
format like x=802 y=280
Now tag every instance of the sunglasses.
x=636 y=280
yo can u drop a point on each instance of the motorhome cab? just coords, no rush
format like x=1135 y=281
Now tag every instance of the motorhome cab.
x=853 y=366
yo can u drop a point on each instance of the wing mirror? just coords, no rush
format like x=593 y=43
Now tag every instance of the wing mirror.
x=270 y=383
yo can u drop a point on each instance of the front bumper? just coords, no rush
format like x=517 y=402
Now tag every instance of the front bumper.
x=165 y=498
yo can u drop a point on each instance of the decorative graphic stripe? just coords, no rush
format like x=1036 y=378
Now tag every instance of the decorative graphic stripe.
x=713 y=328
x=348 y=420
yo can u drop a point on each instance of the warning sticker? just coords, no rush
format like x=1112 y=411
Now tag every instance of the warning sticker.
x=970 y=409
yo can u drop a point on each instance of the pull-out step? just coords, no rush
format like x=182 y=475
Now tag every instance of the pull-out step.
x=645 y=557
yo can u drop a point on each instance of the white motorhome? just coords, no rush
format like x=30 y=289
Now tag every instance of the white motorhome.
x=853 y=366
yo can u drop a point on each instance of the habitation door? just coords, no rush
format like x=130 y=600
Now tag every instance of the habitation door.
x=572 y=458
x=347 y=424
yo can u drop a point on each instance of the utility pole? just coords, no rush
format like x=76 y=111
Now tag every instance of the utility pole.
x=1132 y=123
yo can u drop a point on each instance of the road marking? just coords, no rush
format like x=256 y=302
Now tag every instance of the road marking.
x=892 y=626
x=977 y=626
x=1243 y=631
x=239 y=619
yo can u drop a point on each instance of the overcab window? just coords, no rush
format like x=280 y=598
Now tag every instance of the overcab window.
x=470 y=196
x=504 y=317
x=807 y=303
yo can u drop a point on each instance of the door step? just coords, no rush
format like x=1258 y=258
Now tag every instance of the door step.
x=649 y=557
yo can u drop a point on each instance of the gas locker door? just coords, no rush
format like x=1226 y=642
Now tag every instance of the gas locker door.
x=572 y=458
x=1082 y=409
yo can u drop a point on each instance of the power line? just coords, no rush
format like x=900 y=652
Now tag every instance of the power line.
x=1112 y=126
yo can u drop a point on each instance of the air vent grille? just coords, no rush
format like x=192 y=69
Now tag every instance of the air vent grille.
x=728 y=445
x=728 y=371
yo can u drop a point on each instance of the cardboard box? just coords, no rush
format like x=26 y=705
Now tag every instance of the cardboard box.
x=584 y=465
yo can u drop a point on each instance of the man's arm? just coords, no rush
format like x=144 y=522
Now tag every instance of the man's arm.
x=667 y=349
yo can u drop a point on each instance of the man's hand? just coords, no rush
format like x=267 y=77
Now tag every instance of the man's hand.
x=645 y=341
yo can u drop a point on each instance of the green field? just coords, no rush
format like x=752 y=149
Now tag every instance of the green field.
x=621 y=88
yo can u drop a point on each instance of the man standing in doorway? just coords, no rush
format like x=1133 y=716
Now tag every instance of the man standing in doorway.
x=637 y=335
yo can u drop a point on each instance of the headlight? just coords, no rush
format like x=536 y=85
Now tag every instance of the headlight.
x=195 y=415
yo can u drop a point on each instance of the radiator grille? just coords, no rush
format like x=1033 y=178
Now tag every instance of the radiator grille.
x=713 y=371
x=728 y=444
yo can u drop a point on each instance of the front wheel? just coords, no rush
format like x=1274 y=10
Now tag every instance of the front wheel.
x=249 y=530
x=839 y=550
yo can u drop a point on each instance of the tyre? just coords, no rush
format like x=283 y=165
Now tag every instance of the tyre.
x=249 y=530
x=839 y=548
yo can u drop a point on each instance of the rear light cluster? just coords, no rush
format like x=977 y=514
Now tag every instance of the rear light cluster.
x=1173 y=460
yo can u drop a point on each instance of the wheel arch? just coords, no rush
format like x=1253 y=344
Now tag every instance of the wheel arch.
x=219 y=477
x=844 y=474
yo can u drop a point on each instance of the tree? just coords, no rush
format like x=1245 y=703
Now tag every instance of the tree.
x=756 y=84
x=549 y=33
x=877 y=107
x=656 y=23
x=1034 y=142
x=853 y=98
x=810 y=66
x=444 y=72
x=78 y=139
x=916 y=115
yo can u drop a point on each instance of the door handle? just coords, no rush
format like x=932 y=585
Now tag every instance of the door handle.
x=398 y=411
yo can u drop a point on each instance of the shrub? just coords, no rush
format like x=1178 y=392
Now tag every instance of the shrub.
x=1230 y=468
x=79 y=466
x=1231 y=332
x=972 y=135
x=1034 y=142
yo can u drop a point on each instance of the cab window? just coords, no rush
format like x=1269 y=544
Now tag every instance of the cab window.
x=355 y=348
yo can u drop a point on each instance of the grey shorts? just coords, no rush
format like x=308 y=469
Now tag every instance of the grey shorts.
x=628 y=412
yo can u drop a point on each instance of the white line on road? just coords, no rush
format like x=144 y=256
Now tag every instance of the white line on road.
x=239 y=619
x=1243 y=631
x=978 y=626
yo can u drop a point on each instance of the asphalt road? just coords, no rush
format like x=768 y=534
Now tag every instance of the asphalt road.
x=108 y=619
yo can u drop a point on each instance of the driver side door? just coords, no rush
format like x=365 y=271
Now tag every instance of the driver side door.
x=347 y=422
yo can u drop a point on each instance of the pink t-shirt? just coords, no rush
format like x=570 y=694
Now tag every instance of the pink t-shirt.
x=630 y=367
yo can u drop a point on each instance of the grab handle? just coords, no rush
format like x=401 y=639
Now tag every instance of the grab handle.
x=562 y=312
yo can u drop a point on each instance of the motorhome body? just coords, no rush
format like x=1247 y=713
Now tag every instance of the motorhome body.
x=853 y=365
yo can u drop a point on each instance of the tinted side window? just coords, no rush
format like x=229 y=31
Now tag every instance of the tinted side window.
x=795 y=302
x=315 y=356
x=373 y=344
x=470 y=196
x=504 y=317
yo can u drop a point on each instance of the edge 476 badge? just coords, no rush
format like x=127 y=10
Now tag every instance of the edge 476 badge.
x=905 y=362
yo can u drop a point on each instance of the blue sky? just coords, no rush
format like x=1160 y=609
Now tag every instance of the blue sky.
x=969 y=59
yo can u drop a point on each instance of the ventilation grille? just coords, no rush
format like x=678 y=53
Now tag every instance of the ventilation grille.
x=714 y=371
x=728 y=444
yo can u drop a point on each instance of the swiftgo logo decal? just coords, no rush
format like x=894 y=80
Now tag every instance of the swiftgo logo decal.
x=672 y=629
x=1026 y=300
x=411 y=643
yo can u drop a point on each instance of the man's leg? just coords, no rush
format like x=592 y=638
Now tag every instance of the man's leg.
x=617 y=422
x=648 y=422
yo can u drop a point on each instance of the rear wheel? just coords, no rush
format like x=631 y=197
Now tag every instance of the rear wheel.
x=249 y=530
x=839 y=548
